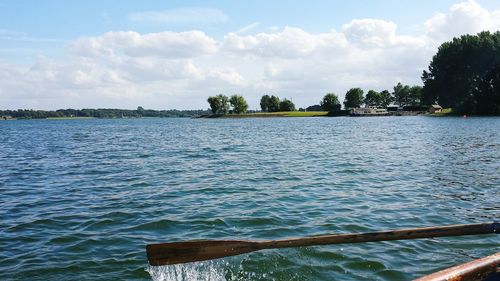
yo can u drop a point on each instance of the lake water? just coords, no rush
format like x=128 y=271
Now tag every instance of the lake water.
x=80 y=199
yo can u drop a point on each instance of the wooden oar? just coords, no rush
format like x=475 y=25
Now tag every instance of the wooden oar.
x=191 y=251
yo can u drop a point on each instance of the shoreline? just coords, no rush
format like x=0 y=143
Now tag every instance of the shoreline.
x=291 y=114
x=313 y=114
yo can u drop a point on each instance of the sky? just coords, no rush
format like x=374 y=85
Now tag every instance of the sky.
x=174 y=54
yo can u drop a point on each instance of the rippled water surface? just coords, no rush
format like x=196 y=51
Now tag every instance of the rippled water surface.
x=80 y=199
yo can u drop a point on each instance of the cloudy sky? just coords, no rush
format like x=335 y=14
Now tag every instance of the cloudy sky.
x=174 y=54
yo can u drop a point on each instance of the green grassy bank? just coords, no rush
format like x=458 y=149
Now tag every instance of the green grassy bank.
x=278 y=114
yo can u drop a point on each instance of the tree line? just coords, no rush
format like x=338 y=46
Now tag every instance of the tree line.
x=100 y=113
x=221 y=104
x=274 y=104
x=402 y=95
x=236 y=104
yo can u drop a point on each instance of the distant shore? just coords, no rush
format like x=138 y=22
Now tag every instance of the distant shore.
x=269 y=114
x=313 y=114
x=252 y=114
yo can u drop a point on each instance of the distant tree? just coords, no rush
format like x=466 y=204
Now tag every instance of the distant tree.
x=330 y=102
x=458 y=71
x=385 y=98
x=287 y=105
x=225 y=103
x=239 y=104
x=215 y=105
x=219 y=104
x=274 y=104
x=264 y=103
x=373 y=98
x=353 y=98
x=315 y=107
x=140 y=110
x=401 y=94
x=415 y=95
x=270 y=103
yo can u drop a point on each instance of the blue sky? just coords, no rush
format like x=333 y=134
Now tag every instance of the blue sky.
x=240 y=47
x=67 y=20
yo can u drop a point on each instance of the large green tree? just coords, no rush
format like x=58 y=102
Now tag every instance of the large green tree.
x=385 y=98
x=458 y=71
x=373 y=98
x=219 y=104
x=214 y=104
x=415 y=95
x=264 y=103
x=270 y=103
x=238 y=103
x=353 y=98
x=330 y=102
x=287 y=105
x=274 y=104
x=401 y=94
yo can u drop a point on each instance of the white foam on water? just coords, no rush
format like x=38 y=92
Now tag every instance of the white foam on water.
x=199 y=271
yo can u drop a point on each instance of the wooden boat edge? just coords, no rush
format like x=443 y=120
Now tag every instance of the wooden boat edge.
x=476 y=270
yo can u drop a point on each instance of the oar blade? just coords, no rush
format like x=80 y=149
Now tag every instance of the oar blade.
x=192 y=251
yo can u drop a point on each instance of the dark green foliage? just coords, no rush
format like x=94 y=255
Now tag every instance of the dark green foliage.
x=224 y=101
x=353 y=98
x=401 y=94
x=330 y=102
x=270 y=103
x=264 y=103
x=274 y=104
x=459 y=70
x=214 y=103
x=239 y=104
x=287 y=105
x=488 y=93
x=404 y=95
x=140 y=110
x=385 y=98
x=219 y=104
x=415 y=95
x=315 y=107
x=373 y=98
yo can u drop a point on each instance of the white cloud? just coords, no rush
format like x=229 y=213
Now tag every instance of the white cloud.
x=463 y=18
x=140 y=70
x=289 y=43
x=162 y=44
x=376 y=33
x=370 y=32
x=180 y=69
x=181 y=16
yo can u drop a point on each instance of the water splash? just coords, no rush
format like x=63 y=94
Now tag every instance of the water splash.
x=200 y=271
